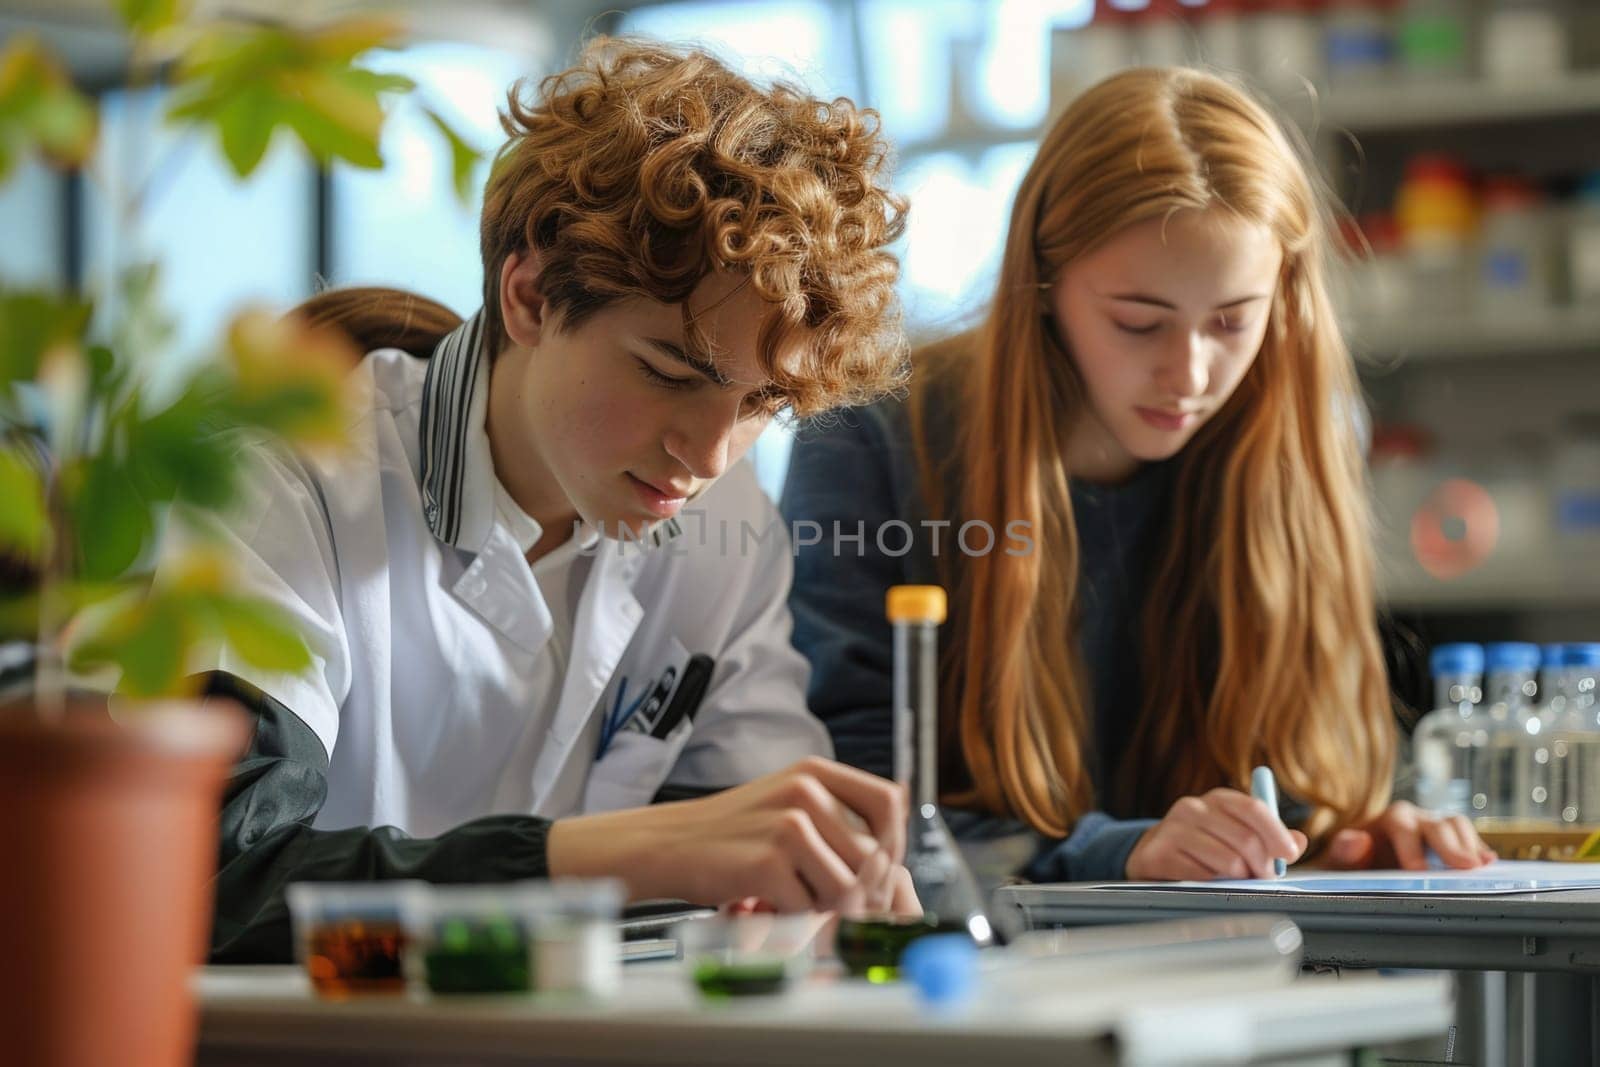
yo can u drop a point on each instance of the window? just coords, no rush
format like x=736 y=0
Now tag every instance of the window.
x=784 y=40
x=960 y=208
x=30 y=218
x=404 y=226
x=223 y=244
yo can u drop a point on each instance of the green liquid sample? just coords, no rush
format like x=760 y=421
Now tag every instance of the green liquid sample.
x=752 y=979
x=871 y=948
x=479 y=957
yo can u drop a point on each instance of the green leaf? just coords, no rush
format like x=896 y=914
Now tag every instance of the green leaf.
x=40 y=110
x=345 y=39
x=293 y=411
x=152 y=657
x=245 y=123
x=104 y=374
x=463 y=157
x=248 y=80
x=151 y=632
x=24 y=520
x=146 y=329
x=347 y=111
x=19 y=617
x=290 y=379
x=183 y=451
x=372 y=81
x=147 y=637
x=227 y=55
x=202 y=470
x=110 y=518
x=19 y=611
x=145 y=17
x=263 y=635
x=328 y=141
x=31 y=323
x=63 y=123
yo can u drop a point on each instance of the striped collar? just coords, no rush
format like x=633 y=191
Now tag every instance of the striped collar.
x=458 y=479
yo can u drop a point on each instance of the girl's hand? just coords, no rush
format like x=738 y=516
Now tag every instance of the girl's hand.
x=1401 y=836
x=1220 y=834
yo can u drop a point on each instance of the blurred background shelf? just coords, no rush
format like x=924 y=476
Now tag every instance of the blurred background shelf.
x=1499 y=590
x=1561 y=330
x=1399 y=106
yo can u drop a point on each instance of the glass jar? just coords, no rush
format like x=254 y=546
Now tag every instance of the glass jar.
x=1525 y=42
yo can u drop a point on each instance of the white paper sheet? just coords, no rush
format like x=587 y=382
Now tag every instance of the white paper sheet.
x=1505 y=876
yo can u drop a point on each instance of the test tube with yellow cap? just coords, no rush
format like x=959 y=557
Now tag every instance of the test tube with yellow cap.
x=946 y=888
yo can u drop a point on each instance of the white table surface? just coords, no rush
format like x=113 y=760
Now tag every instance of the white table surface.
x=268 y=1015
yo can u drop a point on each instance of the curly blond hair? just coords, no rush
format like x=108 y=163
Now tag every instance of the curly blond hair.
x=645 y=167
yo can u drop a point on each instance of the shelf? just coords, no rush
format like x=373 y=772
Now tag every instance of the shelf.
x=1403 y=105
x=1385 y=343
x=1383 y=106
x=1498 y=590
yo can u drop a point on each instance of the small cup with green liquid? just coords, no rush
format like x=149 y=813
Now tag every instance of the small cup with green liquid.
x=747 y=955
x=474 y=939
x=870 y=946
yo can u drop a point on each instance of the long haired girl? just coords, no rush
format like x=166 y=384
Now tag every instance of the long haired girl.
x=1160 y=396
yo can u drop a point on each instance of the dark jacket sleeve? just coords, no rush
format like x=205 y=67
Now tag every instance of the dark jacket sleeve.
x=842 y=479
x=267 y=840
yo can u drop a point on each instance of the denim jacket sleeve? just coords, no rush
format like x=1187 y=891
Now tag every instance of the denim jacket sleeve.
x=849 y=480
x=1096 y=850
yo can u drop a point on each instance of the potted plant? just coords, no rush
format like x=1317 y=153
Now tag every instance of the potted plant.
x=108 y=805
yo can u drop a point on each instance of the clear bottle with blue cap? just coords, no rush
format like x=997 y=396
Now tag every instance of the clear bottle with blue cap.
x=1552 y=705
x=1573 y=721
x=1449 y=738
x=1550 y=669
x=1511 y=777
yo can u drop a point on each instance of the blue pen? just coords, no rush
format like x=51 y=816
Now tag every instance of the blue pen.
x=1265 y=789
x=611 y=724
x=606 y=721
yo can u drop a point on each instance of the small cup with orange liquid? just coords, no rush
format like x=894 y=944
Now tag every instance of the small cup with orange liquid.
x=351 y=936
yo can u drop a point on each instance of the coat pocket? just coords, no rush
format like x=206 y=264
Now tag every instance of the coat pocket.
x=634 y=766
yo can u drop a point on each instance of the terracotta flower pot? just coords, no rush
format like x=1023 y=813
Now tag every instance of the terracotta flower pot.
x=108 y=843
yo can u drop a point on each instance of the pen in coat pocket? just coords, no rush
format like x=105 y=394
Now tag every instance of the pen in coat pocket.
x=691 y=691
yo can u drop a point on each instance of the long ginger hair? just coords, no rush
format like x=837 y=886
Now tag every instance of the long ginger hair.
x=1259 y=638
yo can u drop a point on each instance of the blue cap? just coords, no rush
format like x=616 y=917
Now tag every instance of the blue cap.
x=943 y=967
x=1511 y=656
x=1456 y=659
x=1580 y=655
x=1551 y=655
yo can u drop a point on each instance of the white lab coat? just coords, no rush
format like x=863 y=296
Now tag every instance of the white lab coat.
x=426 y=645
